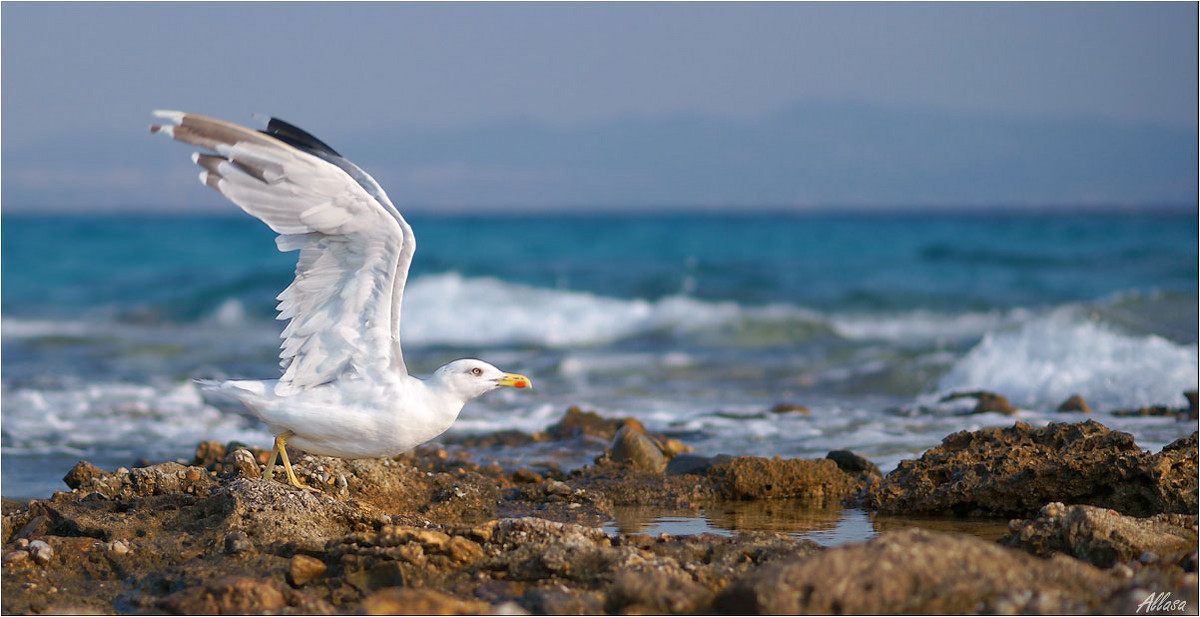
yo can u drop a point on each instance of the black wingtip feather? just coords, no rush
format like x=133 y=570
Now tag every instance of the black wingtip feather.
x=297 y=137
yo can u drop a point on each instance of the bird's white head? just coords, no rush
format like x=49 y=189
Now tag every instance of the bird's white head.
x=469 y=378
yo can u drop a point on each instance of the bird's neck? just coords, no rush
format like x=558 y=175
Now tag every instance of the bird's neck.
x=444 y=402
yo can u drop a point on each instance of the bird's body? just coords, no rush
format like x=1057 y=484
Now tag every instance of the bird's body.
x=307 y=415
x=345 y=390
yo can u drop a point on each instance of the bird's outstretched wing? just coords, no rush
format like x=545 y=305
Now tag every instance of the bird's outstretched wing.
x=355 y=248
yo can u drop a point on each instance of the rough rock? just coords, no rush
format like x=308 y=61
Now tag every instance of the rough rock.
x=852 y=463
x=240 y=463
x=697 y=464
x=81 y=473
x=818 y=481
x=578 y=423
x=637 y=450
x=1014 y=471
x=401 y=601
x=1074 y=404
x=1104 y=537
x=162 y=479
x=230 y=595
x=303 y=568
x=916 y=571
x=985 y=401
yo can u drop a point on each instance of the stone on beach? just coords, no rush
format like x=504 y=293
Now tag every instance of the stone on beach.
x=1104 y=537
x=984 y=401
x=1014 y=471
x=918 y=571
x=1075 y=403
x=638 y=450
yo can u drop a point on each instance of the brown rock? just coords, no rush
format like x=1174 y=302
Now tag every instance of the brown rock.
x=1103 y=537
x=985 y=401
x=403 y=601
x=166 y=478
x=852 y=463
x=1014 y=471
x=578 y=423
x=1153 y=410
x=666 y=589
x=230 y=595
x=240 y=463
x=16 y=557
x=673 y=447
x=209 y=452
x=749 y=477
x=636 y=449
x=917 y=571
x=789 y=408
x=526 y=475
x=1173 y=475
x=302 y=569
x=81 y=473
x=381 y=575
x=1073 y=404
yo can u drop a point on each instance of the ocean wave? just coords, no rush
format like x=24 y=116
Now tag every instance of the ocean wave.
x=135 y=419
x=452 y=310
x=1071 y=351
x=449 y=309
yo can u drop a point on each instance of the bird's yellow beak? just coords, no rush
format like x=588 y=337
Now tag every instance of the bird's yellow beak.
x=514 y=380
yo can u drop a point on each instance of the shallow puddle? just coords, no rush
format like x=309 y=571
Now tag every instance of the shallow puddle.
x=825 y=526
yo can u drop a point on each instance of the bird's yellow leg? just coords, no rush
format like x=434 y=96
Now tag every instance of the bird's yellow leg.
x=269 y=472
x=280 y=450
x=281 y=439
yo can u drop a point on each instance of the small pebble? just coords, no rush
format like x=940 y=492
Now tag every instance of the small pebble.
x=16 y=557
x=303 y=569
x=41 y=552
x=118 y=546
x=558 y=488
x=526 y=475
x=22 y=543
x=237 y=542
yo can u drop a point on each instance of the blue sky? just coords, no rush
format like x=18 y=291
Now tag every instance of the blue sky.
x=513 y=85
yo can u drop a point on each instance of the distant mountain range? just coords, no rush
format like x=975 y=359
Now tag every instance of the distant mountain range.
x=809 y=154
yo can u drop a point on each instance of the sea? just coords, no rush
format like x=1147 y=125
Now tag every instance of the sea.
x=704 y=326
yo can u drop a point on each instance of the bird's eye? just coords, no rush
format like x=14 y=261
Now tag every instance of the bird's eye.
x=477 y=371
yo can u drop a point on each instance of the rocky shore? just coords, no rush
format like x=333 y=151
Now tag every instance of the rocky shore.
x=1097 y=526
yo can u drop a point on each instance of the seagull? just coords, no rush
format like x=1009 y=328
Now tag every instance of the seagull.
x=345 y=391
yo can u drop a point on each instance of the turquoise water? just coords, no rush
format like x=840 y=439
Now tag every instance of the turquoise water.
x=697 y=324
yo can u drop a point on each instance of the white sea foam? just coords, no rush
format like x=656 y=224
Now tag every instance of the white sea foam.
x=142 y=419
x=36 y=328
x=448 y=309
x=1051 y=357
x=922 y=326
